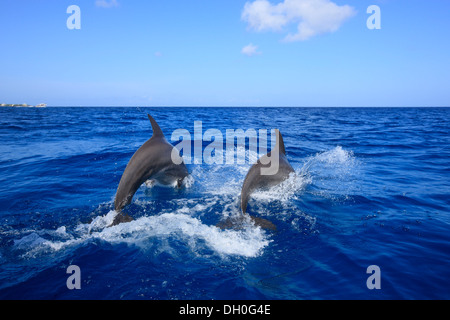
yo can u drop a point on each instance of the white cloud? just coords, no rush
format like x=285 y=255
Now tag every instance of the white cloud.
x=313 y=17
x=250 y=50
x=106 y=3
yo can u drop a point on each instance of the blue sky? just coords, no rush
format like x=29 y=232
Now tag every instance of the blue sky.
x=225 y=53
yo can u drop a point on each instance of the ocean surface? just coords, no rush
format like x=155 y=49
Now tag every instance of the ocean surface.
x=371 y=188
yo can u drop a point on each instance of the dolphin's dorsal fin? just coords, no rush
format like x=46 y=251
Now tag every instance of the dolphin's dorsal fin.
x=157 y=132
x=279 y=142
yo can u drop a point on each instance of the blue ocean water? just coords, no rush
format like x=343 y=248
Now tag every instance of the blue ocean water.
x=371 y=187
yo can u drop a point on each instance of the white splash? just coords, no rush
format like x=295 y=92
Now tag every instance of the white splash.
x=248 y=242
x=336 y=172
x=184 y=225
x=285 y=191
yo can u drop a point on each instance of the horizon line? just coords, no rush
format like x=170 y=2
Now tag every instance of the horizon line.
x=224 y=106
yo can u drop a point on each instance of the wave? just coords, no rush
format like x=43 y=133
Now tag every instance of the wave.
x=190 y=231
x=191 y=220
x=332 y=171
x=333 y=174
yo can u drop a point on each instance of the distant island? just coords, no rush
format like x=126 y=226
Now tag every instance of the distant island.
x=23 y=105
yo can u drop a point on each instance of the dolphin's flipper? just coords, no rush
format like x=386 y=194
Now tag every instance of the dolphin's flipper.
x=239 y=222
x=121 y=218
x=263 y=223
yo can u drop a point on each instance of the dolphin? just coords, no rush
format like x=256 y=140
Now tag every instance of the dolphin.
x=270 y=170
x=153 y=160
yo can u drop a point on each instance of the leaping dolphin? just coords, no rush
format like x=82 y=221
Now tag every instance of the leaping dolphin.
x=270 y=170
x=153 y=160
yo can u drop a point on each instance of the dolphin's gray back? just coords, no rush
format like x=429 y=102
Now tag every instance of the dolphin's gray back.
x=255 y=181
x=154 y=157
x=139 y=169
